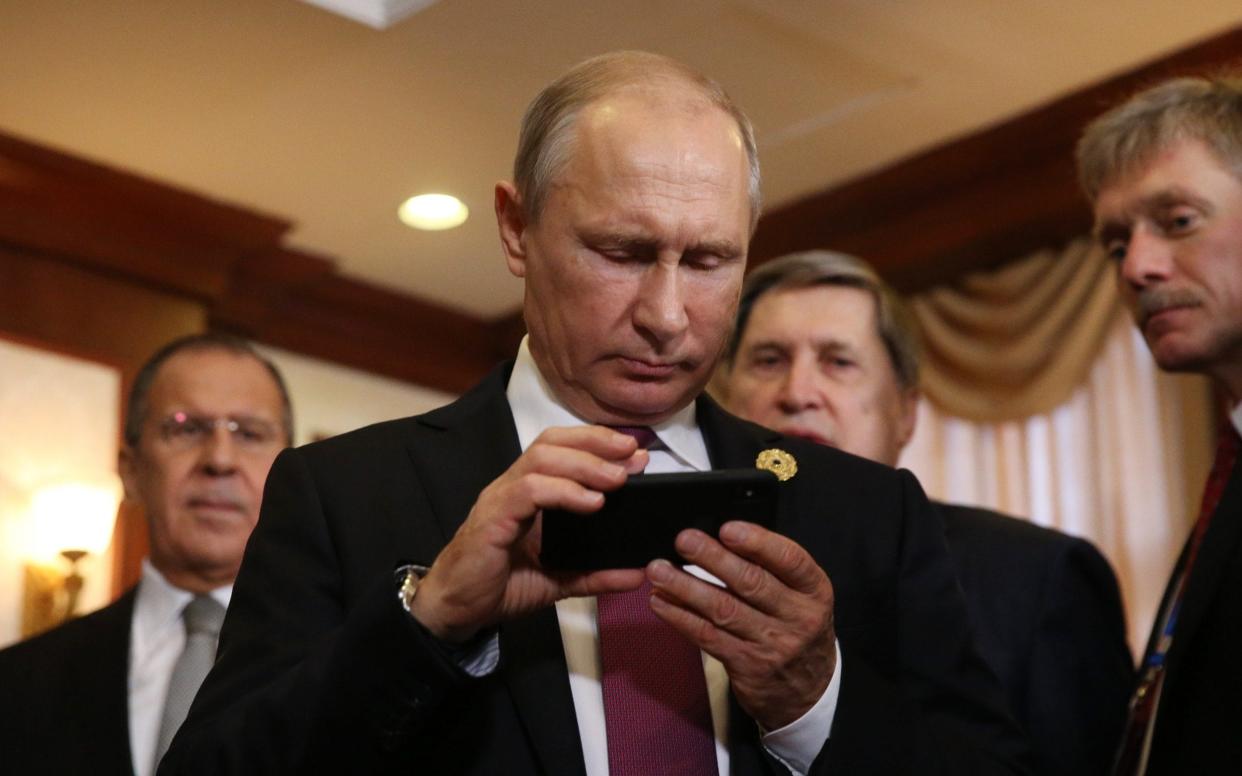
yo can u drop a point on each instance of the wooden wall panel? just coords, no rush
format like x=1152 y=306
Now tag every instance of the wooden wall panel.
x=299 y=302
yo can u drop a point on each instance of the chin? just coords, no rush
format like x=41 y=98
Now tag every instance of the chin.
x=1172 y=358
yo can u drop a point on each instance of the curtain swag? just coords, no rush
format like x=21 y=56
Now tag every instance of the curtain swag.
x=1015 y=342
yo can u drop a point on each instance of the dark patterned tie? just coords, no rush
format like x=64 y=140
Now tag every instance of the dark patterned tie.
x=1139 y=724
x=656 y=712
x=202 y=617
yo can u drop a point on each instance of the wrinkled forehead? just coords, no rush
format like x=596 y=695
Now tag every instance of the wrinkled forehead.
x=818 y=314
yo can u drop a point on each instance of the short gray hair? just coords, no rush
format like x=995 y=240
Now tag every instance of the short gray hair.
x=139 y=395
x=545 y=141
x=894 y=323
x=1207 y=109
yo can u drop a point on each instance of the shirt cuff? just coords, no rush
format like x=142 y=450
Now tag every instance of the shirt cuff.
x=482 y=659
x=797 y=744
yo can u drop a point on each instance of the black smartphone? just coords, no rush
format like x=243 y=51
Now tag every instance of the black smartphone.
x=639 y=522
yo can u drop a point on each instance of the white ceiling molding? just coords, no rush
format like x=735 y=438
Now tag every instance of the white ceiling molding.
x=380 y=14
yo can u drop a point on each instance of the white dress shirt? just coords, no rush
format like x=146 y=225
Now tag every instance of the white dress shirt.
x=156 y=638
x=535 y=408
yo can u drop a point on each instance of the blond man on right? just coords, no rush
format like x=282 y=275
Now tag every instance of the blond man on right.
x=1163 y=172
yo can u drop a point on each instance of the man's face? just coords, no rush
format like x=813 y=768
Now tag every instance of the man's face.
x=634 y=268
x=811 y=363
x=1175 y=230
x=201 y=486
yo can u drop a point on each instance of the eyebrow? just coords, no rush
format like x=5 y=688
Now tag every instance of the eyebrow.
x=725 y=248
x=835 y=344
x=1158 y=200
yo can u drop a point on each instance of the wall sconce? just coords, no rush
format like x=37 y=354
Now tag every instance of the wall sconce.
x=65 y=523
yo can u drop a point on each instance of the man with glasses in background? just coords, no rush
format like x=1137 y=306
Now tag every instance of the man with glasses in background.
x=104 y=694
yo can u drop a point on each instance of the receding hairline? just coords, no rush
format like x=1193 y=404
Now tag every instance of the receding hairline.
x=1126 y=139
x=138 y=404
x=657 y=98
x=234 y=358
x=892 y=319
x=546 y=142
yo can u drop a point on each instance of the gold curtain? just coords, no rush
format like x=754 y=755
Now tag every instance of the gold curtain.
x=1016 y=341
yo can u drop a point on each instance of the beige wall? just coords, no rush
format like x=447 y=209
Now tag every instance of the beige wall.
x=58 y=426
x=329 y=399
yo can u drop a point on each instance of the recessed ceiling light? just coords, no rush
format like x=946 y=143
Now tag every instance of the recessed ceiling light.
x=433 y=212
x=380 y=14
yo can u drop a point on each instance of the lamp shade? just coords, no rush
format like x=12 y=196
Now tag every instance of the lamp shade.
x=71 y=516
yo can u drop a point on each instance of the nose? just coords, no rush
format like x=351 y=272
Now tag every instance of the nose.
x=660 y=310
x=219 y=452
x=1148 y=260
x=799 y=390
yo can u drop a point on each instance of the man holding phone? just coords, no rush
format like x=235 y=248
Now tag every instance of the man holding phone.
x=831 y=644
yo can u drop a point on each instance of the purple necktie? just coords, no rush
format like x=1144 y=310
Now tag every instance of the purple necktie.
x=656 y=710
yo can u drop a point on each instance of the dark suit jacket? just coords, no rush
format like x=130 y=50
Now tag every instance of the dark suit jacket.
x=1048 y=620
x=321 y=669
x=64 y=697
x=1199 y=719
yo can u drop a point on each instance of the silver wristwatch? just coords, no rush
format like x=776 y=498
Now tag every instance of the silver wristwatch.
x=409 y=577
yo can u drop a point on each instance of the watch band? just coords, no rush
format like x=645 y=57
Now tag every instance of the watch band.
x=408 y=578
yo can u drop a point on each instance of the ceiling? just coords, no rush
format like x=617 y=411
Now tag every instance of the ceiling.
x=293 y=111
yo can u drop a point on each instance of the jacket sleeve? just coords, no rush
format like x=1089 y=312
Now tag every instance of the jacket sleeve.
x=1081 y=672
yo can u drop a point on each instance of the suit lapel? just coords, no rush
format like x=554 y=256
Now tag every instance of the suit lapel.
x=1219 y=546
x=534 y=669
x=733 y=443
x=468 y=445
x=104 y=684
x=460 y=448
x=118 y=673
x=728 y=446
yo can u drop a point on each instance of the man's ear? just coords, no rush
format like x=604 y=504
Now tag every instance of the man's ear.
x=908 y=418
x=126 y=467
x=511 y=220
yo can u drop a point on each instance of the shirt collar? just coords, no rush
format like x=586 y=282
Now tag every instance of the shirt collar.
x=1235 y=417
x=535 y=408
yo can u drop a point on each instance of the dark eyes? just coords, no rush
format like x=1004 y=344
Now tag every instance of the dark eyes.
x=1171 y=223
x=773 y=361
x=765 y=361
x=703 y=260
x=185 y=431
x=1181 y=221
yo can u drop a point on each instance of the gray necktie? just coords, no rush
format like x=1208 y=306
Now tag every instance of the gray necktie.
x=202 y=617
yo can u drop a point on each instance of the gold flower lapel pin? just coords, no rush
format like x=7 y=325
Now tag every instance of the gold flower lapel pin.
x=779 y=462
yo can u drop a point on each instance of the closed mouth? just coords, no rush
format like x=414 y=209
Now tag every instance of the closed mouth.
x=215 y=503
x=810 y=435
x=644 y=368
